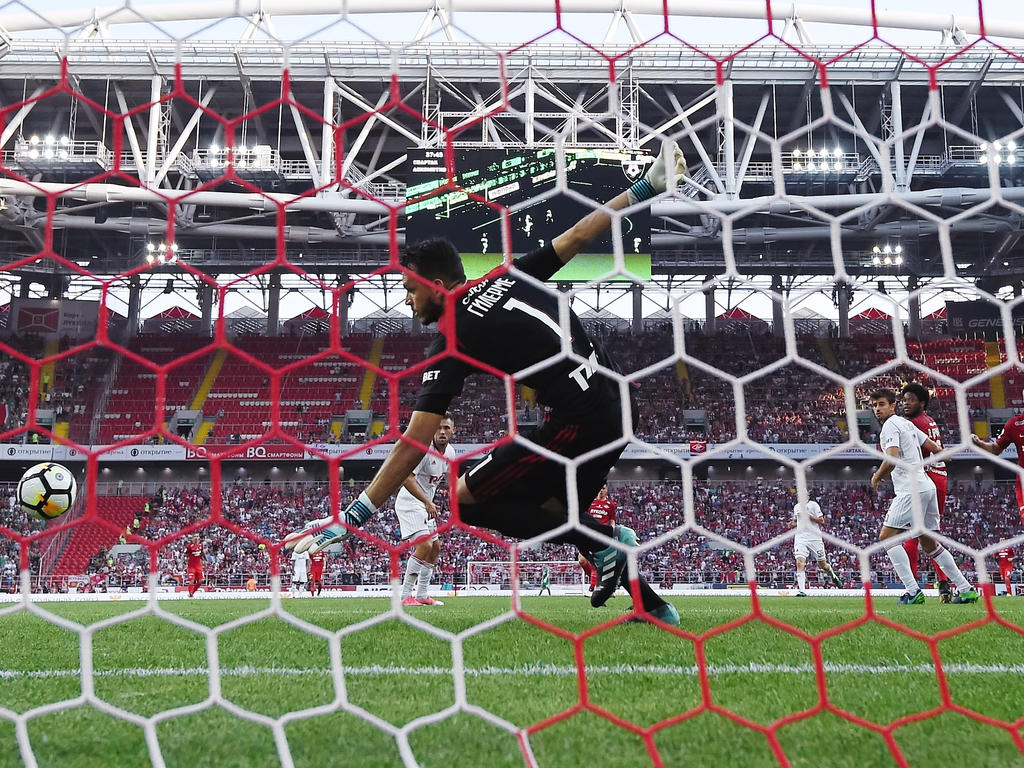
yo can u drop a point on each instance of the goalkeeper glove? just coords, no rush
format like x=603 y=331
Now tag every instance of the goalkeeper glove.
x=655 y=181
x=318 y=534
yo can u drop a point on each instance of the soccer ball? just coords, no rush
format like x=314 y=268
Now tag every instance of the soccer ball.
x=47 y=490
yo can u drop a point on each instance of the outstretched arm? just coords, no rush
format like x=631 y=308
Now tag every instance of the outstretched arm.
x=572 y=241
x=400 y=463
x=404 y=457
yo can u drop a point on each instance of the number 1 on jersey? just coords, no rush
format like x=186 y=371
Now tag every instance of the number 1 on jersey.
x=522 y=306
x=580 y=375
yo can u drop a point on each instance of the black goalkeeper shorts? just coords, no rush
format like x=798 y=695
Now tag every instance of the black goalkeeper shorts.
x=518 y=470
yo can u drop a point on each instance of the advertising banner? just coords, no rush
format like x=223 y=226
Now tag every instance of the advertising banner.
x=978 y=319
x=53 y=319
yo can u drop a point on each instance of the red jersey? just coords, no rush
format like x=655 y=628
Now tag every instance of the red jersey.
x=194 y=551
x=317 y=561
x=603 y=510
x=1005 y=555
x=1013 y=432
x=927 y=424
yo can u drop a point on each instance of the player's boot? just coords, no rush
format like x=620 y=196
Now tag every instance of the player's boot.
x=970 y=596
x=837 y=582
x=666 y=613
x=800 y=594
x=945 y=593
x=907 y=599
x=411 y=600
x=610 y=562
x=428 y=600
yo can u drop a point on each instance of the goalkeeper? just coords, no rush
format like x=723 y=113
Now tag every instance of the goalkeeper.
x=545 y=581
x=508 y=322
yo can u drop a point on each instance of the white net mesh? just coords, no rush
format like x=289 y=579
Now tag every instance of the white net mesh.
x=202 y=213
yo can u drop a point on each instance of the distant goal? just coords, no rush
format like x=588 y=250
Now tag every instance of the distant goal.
x=502 y=574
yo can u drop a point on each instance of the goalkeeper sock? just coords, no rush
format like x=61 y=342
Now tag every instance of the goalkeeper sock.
x=801 y=580
x=945 y=561
x=412 y=571
x=900 y=561
x=426 y=573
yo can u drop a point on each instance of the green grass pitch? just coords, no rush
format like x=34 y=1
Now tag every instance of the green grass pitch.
x=395 y=672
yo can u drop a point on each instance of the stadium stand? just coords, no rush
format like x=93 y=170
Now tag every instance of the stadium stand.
x=745 y=513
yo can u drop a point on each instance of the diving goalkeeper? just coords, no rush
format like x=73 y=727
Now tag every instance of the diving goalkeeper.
x=508 y=322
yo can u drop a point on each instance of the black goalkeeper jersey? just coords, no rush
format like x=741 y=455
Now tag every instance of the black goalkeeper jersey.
x=511 y=324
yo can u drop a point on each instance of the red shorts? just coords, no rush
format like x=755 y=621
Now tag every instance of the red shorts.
x=1005 y=570
x=317 y=574
x=941 y=483
x=195 y=574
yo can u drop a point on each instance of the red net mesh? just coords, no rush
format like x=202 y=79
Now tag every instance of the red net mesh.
x=275 y=398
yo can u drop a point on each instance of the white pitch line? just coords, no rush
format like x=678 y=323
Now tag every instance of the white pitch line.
x=534 y=670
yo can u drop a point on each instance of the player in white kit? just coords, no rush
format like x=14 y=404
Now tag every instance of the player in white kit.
x=808 y=543
x=417 y=515
x=901 y=440
x=300 y=572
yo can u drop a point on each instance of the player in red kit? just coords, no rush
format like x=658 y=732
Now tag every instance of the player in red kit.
x=603 y=510
x=915 y=401
x=1013 y=432
x=1005 y=558
x=194 y=551
x=316 y=576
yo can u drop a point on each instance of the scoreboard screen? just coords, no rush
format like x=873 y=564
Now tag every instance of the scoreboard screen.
x=524 y=181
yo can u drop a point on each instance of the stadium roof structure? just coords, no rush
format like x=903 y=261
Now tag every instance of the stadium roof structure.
x=872 y=313
x=891 y=172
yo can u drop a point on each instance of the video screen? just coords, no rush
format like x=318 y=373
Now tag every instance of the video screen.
x=522 y=181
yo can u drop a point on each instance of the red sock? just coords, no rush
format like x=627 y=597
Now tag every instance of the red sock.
x=911 y=546
x=591 y=572
x=939 y=574
x=312 y=587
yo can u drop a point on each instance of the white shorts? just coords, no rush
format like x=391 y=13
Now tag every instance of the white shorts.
x=299 y=578
x=901 y=511
x=809 y=548
x=413 y=520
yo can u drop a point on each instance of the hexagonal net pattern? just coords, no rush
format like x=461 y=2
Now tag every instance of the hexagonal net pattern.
x=216 y=318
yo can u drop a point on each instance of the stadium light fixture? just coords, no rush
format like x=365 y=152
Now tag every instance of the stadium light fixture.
x=998 y=152
x=161 y=253
x=813 y=160
x=887 y=255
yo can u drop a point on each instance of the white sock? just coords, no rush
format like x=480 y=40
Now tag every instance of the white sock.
x=426 y=574
x=945 y=561
x=412 y=570
x=801 y=580
x=901 y=562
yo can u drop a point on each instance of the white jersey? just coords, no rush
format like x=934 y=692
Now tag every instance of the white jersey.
x=903 y=434
x=300 y=566
x=806 y=528
x=428 y=473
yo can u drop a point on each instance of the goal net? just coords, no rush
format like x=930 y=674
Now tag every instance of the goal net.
x=205 y=315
